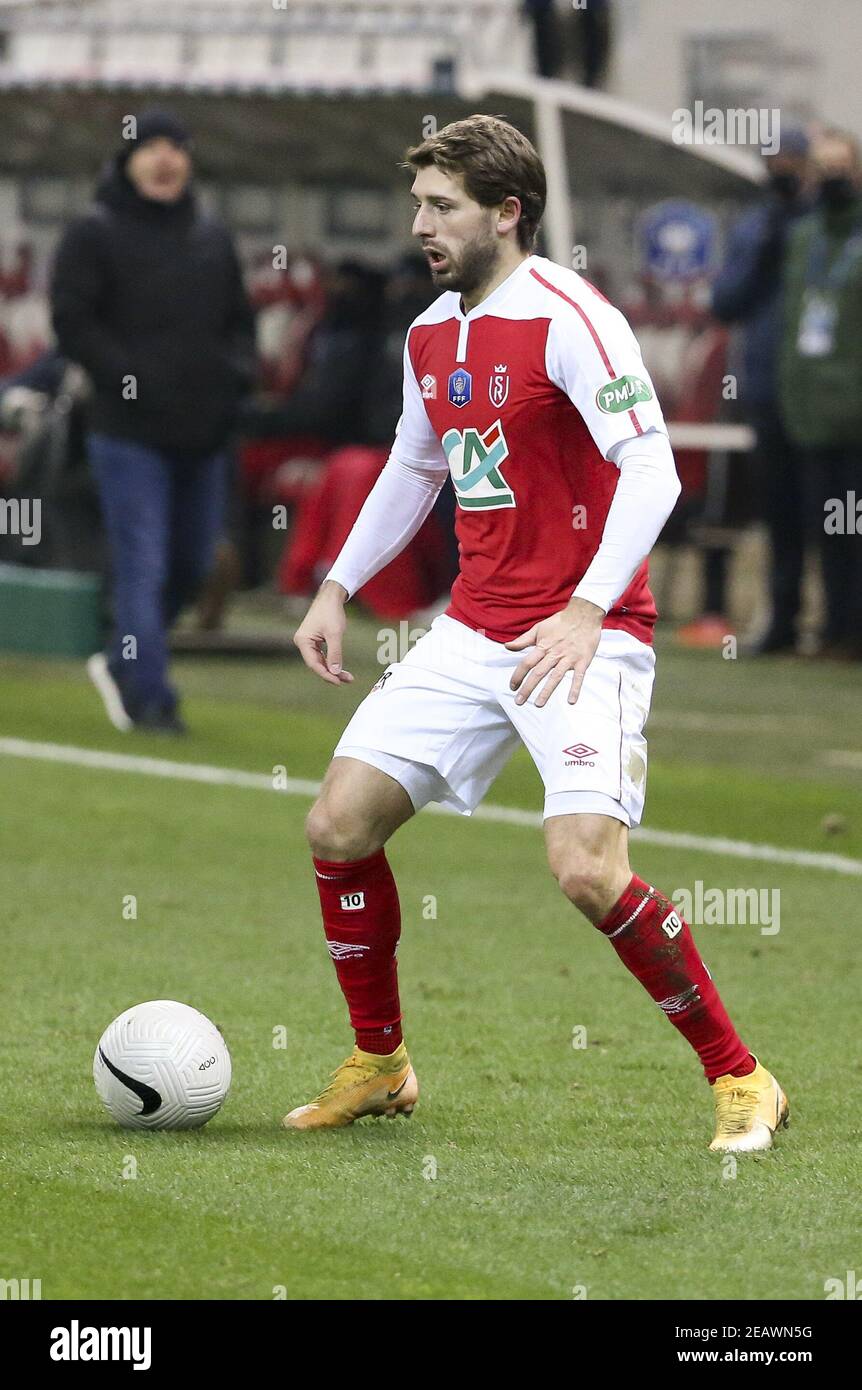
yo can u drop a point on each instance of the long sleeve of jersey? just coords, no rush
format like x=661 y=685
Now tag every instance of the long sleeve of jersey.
x=646 y=493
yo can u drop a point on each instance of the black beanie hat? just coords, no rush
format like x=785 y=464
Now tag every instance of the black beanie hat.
x=155 y=124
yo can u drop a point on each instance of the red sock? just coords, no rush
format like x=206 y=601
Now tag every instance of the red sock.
x=657 y=946
x=362 y=922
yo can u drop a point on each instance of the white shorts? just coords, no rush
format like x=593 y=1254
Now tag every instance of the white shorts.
x=443 y=722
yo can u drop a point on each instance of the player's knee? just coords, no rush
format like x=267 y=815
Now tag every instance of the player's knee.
x=334 y=833
x=583 y=877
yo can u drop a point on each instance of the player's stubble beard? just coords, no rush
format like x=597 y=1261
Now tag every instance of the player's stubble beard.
x=475 y=267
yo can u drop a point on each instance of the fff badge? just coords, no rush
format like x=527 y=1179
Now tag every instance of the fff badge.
x=460 y=388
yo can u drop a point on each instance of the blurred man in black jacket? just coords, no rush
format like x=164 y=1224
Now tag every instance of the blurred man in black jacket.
x=147 y=296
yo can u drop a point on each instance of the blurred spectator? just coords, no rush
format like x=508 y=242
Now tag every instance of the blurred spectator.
x=708 y=509
x=412 y=581
x=289 y=303
x=821 y=378
x=575 y=48
x=329 y=401
x=409 y=291
x=329 y=506
x=687 y=355
x=590 y=27
x=546 y=36
x=43 y=408
x=147 y=296
x=39 y=379
x=748 y=290
x=287 y=438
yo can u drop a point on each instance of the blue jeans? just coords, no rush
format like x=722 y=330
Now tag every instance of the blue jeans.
x=163 y=519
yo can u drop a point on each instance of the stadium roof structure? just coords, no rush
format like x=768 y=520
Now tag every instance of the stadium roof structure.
x=593 y=144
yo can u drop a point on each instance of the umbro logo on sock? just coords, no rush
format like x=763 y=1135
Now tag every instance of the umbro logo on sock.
x=343 y=950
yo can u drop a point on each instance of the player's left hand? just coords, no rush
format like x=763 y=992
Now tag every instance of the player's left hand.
x=567 y=641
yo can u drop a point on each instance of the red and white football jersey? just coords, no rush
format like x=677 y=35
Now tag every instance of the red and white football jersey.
x=524 y=398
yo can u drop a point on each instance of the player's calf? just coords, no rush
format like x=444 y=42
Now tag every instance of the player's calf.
x=656 y=945
x=358 y=808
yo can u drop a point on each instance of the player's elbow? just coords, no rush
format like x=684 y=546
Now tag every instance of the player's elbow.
x=670 y=489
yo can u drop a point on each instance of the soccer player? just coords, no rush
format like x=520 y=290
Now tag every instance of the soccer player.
x=527 y=387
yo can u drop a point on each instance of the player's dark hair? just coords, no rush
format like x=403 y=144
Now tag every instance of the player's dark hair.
x=495 y=160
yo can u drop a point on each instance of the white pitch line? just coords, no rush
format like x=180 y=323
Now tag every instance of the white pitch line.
x=698 y=722
x=505 y=815
x=151 y=767
x=843 y=757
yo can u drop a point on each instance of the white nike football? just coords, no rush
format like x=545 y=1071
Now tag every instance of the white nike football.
x=162 y=1065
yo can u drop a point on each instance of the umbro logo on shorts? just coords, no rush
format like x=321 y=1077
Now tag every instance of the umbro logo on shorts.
x=343 y=950
x=580 y=755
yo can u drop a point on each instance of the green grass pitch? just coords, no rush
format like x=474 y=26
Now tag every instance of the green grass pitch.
x=532 y=1169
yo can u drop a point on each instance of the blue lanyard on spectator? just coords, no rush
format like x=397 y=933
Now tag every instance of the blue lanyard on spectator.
x=833 y=277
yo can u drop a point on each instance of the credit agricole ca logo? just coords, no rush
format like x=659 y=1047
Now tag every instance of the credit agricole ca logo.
x=474 y=463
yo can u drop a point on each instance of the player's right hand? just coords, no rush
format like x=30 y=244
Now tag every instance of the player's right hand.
x=320 y=635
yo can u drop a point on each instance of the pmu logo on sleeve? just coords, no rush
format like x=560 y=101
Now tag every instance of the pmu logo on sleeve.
x=460 y=388
x=622 y=394
x=474 y=462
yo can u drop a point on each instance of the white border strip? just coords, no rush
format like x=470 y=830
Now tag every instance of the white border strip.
x=844 y=757
x=505 y=815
